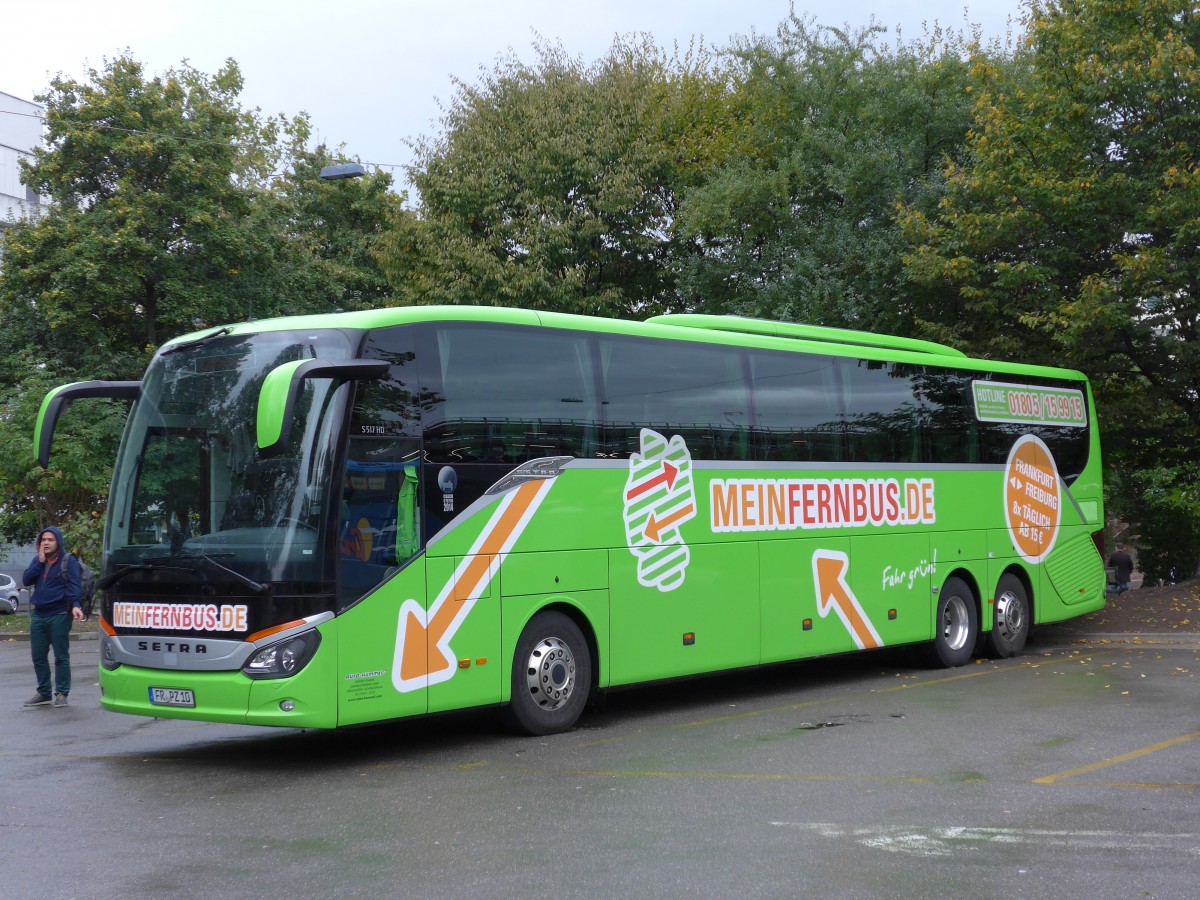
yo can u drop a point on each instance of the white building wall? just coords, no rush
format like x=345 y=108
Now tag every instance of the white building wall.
x=20 y=133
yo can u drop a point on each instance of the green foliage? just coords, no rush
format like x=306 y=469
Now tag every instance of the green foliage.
x=1070 y=234
x=330 y=231
x=1074 y=226
x=1038 y=204
x=1169 y=522
x=152 y=182
x=555 y=185
x=802 y=224
x=74 y=488
x=172 y=209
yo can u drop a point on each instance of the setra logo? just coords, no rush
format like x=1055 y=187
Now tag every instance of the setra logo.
x=659 y=497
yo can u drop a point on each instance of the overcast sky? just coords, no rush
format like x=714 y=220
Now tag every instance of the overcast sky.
x=370 y=73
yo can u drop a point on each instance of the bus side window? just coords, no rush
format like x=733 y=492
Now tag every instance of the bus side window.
x=948 y=427
x=797 y=407
x=882 y=412
x=506 y=394
x=694 y=391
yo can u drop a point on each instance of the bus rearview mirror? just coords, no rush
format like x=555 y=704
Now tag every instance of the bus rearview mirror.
x=60 y=398
x=282 y=386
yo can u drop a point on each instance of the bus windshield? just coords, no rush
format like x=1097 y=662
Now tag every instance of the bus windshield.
x=189 y=481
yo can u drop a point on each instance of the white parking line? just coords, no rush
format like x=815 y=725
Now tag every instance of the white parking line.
x=945 y=840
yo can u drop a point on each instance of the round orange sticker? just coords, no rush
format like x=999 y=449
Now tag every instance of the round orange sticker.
x=1032 y=500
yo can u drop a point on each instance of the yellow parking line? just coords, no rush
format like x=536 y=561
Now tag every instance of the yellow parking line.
x=1124 y=757
x=757 y=776
x=1147 y=785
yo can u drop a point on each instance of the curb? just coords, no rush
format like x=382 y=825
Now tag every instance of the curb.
x=73 y=637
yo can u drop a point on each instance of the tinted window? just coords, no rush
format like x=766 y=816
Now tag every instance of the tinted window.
x=379 y=509
x=189 y=478
x=379 y=513
x=797 y=407
x=505 y=394
x=171 y=502
x=881 y=411
x=949 y=432
x=501 y=394
x=693 y=390
x=1070 y=446
x=389 y=406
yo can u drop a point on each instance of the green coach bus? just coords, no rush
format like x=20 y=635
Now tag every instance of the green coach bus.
x=326 y=521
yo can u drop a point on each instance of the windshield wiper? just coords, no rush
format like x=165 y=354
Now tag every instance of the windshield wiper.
x=157 y=562
x=188 y=345
x=181 y=561
x=257 y=586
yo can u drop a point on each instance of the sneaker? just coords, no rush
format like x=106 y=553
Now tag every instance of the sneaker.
x=36 y=700
x=60 y=699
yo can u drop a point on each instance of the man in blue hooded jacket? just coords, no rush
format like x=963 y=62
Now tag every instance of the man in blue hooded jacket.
x=55 y=602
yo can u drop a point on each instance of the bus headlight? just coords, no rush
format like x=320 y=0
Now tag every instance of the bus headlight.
x=285 y=658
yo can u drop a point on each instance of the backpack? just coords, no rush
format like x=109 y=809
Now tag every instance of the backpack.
x=87 y=584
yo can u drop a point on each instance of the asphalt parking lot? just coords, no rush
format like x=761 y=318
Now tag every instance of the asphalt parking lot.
x=1070 y=771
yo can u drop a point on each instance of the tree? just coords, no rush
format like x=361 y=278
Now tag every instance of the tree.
x=556 y=185
x=802 y=225
x=1072 y=231
x=335 y=228
x=1074 y=225
x=152 y=182
x=71 y=493
x=172 y=209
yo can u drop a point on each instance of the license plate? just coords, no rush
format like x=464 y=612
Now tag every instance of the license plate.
x=171 y=697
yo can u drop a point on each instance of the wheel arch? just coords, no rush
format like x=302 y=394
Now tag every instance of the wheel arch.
x=553 y=669
x=573 y=611
x=968 y=577
x=1022 y=575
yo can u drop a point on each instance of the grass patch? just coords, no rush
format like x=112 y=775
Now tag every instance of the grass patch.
x=18 y=624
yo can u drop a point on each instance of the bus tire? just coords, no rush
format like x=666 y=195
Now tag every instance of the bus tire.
x=1011 y=618
x=956 y=626
x=551 y=676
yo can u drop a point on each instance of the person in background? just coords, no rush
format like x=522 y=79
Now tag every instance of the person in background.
x=1122 y=565
x=56 y=601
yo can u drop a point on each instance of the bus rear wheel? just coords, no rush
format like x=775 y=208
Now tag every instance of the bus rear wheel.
x=957 y=624
x=1011 y=619
x=551 y=676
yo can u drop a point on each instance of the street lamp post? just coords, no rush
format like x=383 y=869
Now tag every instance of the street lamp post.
x=343 y=170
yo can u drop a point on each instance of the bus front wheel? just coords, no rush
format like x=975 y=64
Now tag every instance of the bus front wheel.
x=1011 y=619
x=957 y=624
x=551 y=675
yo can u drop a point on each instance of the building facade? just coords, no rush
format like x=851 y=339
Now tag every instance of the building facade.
x=20 y=133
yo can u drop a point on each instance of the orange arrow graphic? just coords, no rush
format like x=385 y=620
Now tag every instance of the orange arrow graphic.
x=655 y=527
x=666 y=476
x=423 y=642
x=829 y=575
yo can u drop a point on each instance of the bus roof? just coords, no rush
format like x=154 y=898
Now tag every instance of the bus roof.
x=736 y=330
x=844 y=336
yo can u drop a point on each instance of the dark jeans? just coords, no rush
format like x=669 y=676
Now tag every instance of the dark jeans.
x=46 y=632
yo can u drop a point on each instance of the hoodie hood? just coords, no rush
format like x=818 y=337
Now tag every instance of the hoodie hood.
x=62 y=549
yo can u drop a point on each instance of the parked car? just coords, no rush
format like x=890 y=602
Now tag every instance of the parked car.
x=10 y=595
